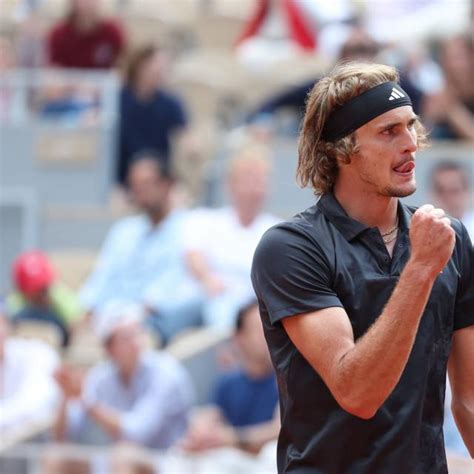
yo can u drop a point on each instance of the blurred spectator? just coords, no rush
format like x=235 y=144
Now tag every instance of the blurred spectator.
x=84 y=39
x=142 y=259
x=7 y=63
x=276 y=30
x=357 y=46
x=30 y=34
x=451 y=110
x=150 y=115
x=27 y=391
x=221 y=242
x=244 y=412
x=39 y=296
x=451 y=189
x=139 y=396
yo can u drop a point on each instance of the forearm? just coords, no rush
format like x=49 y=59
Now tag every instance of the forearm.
x=253 y=438
x=60 y=424
x=368 y=372
x=461 y=120
x=463 y=412
x=197 y=266
x=107 y=418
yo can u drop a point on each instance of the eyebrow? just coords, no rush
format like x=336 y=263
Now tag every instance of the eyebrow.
x=383 y=126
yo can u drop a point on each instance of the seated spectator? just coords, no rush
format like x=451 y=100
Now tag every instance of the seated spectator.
x=244 y=410
x=84 y=39
x=220 y=242
x=138 y=396
x=451 y=110
x=142 y=259
x=150 y=116
x=40 y=296
x=28 y=393
x=451 y=189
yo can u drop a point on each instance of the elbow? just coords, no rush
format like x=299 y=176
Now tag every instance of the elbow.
x=359 y=408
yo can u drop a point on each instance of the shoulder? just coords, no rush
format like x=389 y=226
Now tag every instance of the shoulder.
x=165 y=366
x=127 y=225
x=302 y=229
x=169 y=99
x=228 y=382
x=32 y=350
x=112 y=28
x=59 y=30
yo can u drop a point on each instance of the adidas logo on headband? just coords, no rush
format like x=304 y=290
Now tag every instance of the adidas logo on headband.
x=396 y=94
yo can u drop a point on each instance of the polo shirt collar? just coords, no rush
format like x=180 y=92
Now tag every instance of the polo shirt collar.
x=350 y=228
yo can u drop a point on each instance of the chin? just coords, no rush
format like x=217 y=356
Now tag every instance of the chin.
x=401 y=191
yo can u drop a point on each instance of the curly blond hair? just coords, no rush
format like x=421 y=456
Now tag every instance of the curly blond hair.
x=317 y=158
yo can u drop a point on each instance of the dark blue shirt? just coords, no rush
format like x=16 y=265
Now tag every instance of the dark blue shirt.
x=323 y=258
x=147 y=125
x=245 y=401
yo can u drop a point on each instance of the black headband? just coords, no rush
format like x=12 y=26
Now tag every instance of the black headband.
x=362 y=109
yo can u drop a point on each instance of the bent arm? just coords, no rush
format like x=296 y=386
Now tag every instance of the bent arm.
x=361 y=375
x=461 y=377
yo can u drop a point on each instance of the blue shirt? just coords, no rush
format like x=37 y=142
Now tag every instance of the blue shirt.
x=142 y=263
x=245 y=401
x=147 y=124
x=153 y=407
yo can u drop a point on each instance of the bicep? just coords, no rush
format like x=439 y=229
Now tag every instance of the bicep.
x=461 y=363
x=323 y=337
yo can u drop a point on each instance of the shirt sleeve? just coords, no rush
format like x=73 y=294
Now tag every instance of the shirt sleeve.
x=291 y=274
x=178 y=116
x=94 y=291
x=464 y=311
x=164 y=400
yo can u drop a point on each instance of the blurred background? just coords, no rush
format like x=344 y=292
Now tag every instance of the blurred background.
x=145 y=146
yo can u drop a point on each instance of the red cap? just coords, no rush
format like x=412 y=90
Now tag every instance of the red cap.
x=32 y=272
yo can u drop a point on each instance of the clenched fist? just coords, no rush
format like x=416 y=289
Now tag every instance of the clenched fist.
x=432 y=238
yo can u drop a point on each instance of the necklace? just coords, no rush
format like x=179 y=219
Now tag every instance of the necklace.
x=391 y=231
x=391 y=235
x=387 y=240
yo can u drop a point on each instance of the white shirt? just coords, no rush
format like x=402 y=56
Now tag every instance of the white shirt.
x=28 y=392
x=227 y=246
x=468 y=221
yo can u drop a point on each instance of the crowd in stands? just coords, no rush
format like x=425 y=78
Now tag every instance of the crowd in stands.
x=168 y=268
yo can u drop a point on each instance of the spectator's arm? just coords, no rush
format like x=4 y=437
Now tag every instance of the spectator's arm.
x=199 y=268
x=107 y=418
x=60 y=427
x=95 y=287
x=253 y=438
x=461 y=120
x=209 y=431
x=461 y=370
x=161 y=402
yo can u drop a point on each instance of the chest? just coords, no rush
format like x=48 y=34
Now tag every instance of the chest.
x=365 y=277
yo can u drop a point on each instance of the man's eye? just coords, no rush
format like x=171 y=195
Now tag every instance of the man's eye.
x=388 y=131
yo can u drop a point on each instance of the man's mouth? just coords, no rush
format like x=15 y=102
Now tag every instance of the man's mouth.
x=405 y=168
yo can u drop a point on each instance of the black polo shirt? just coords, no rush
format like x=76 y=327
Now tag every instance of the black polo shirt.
x=323 y=258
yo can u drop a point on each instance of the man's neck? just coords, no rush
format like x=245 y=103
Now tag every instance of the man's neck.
x=85 y=24
x=256 y=369
x=246 y=218
x=159 y=216
x=369 y=208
